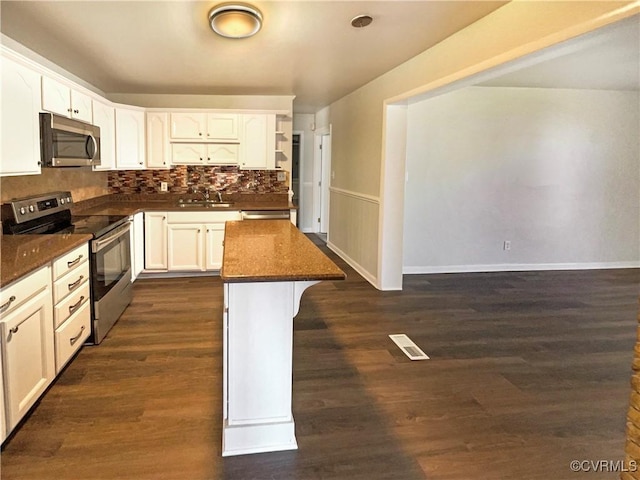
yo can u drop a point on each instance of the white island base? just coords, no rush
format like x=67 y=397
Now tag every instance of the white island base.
x=257 y=366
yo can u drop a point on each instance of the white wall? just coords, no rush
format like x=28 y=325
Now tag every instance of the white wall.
x=304 y=122
x=555 y=171
x=513 y=31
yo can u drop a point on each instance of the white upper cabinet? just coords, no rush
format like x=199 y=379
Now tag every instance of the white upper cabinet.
x=130 y=139
x=158 y=154
x=204 y=127
x=19 y=123
x=61 y=99
x=104 y=116
x=257 y=142
x=204 y=154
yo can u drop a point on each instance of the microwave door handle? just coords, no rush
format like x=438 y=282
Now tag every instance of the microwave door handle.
x=95 y=147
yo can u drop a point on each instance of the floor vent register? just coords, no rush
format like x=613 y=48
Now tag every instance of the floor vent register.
x=409 y=348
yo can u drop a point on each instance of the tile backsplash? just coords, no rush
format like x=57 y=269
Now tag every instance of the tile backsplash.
x=82 y=182
x=182 y=179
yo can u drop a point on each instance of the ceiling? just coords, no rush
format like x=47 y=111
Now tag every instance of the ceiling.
x=305 y=48
x=607 y=59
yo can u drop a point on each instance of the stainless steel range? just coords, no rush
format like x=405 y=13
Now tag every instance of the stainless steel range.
x=110 y=265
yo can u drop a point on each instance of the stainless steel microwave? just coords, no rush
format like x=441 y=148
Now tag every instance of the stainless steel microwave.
x=65 y=142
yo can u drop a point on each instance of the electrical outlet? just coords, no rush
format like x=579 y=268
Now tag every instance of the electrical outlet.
x=164 y=187
x=282 y=176
x=506 y=245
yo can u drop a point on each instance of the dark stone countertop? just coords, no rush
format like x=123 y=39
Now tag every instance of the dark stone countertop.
x=23 y=254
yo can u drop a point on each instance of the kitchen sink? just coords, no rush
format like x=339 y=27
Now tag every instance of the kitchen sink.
x=190 y=203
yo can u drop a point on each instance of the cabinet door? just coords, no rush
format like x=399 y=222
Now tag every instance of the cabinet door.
x=28 y=356
x=155 y=241
x=188 y=126
x=222 y=154
x=222 y=126
x=81 y=106
x=157 y=140
x=56 y=97
x=19 y=124
x=137 y=245
x=257 y=142
x=188 y=153
x=214 y=245
x=185 y=248
x=104 y=116
x=129 y=139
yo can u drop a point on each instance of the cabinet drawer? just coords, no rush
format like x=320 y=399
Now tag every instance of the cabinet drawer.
x=202 y=217
x=70 y=304
x=71 y=335
x=23 y=289
x=70 y=260
x=71 y=282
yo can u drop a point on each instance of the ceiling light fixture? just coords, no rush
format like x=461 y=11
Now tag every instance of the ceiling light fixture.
x=361 y=21
x=235 y=20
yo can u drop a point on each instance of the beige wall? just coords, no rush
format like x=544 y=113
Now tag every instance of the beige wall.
x=82 y=182
x=510 y=32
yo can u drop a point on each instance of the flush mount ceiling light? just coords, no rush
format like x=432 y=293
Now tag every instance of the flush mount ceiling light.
x=235 y=20
x=361 y=21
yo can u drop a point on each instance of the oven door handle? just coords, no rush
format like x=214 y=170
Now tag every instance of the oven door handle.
x=98 y=245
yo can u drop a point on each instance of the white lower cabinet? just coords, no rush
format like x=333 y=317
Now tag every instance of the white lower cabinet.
x=137 y=245
x=185 y=247
x=72 y=305
x=28 y=358
x=195 y=240
x=155 y=241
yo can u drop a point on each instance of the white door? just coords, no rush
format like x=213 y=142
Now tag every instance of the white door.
x=20 y=125
x=214 y=245
x=155 y=241
x=104 y=116
x=28 y=356
x=130 y=139
x=56 y=97
x=188 y=153
x=81 y=107
x=321 y=182
x=222 y=126
x=157 y=140
x=326 y=183
x=222 y=154
x=185 y=249
x=188 y=126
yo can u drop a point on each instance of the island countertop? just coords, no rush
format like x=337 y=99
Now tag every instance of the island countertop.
x=273 y=251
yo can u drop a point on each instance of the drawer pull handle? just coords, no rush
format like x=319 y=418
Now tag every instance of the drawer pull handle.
x=14 y=329
x=75 y=307
x=76 y=284
x=73 y=263
x=5 y=306
x=75 y=339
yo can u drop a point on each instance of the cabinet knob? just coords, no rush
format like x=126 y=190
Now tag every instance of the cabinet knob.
x=200 y=158
x=200 y=133
x=208 y=159
x=76 y=111
x=69 y=110
x=140 y=163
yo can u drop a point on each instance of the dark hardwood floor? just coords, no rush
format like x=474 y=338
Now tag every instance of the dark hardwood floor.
x=528 y=371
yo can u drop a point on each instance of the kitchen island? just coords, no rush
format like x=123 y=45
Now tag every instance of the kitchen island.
x=267 y=265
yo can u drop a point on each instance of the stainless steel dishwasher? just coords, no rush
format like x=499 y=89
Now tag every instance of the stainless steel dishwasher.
x=265 y=214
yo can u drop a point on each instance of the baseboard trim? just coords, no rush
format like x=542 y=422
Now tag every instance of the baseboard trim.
x=521 y=267
x=353 y=264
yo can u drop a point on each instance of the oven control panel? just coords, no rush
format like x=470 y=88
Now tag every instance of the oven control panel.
x=31 y=208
